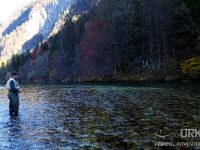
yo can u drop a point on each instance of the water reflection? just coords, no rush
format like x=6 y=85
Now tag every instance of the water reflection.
x=14 y=133
x=96 y=117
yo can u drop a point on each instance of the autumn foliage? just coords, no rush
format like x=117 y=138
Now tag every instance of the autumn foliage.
x=89 y=61
x=39 y=50
x=191 y=67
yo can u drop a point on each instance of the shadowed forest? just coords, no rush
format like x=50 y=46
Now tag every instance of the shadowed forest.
x=124 y=40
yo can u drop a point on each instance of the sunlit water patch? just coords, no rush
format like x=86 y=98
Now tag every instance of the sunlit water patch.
x=2 y=87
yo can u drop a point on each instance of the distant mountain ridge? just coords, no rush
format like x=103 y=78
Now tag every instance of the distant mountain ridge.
x=30 y=25
x=14 y=17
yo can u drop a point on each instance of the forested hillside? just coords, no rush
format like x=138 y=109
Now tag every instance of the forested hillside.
x=123 y=40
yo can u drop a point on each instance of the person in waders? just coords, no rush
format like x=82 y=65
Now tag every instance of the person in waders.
x=13 y=95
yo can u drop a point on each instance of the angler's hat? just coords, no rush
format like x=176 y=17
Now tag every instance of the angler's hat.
x=14 y=73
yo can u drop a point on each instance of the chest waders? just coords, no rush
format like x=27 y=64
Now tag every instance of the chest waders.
x=13 y=95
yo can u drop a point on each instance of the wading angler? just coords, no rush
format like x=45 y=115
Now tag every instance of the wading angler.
x=13 y=95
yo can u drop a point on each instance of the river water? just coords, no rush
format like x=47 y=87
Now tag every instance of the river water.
x=100 y=116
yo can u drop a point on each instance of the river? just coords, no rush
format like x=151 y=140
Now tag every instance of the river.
x=99 y=116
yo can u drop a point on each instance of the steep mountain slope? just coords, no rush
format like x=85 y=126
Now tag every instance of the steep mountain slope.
x=29 y=26
x=83 y=40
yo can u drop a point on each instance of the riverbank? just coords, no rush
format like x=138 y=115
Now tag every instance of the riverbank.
x=123 y=79
x=111 y=82
x=136 y=78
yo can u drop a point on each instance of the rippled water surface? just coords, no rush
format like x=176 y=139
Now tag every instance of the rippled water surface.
x=98 y=116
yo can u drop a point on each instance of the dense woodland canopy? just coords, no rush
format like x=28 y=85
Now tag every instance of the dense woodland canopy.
x=131 y=40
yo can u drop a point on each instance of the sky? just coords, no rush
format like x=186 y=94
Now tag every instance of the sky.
x=8 y=6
